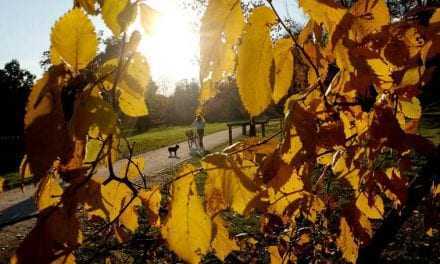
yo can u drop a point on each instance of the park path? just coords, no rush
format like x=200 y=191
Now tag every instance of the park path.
x=15 y=203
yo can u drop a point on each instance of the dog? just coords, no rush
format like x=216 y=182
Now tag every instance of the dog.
x=173 y=150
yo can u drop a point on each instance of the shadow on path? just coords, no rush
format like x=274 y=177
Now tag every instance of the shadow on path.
x=18 y=210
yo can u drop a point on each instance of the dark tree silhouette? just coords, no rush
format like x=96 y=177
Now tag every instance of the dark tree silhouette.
x=15 y=85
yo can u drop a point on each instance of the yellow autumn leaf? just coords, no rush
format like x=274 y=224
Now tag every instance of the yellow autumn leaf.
x=280 y=198
x=222 y=243
x=88 y=5
x=132 y=105
x=74 y=39
x=275 y=257
x=24 y=169
x=45 y=130
x=2 y=183
x=129 y=218
x=48 y=193
x=137 y=73
x=93 y=116
x=222 y=24
x=430 y=232
x=435 y=190
x=255 y=57
x=316 y=206
x=135 y=76
x=366 y=225
x=325 y=159
x=283 y=58
x=304 y=239
x=435 y=18
x=294 y=147
x=414 y=40
x=343 y=58
x=355 y=122
x=383 y=72
x=411 y=109
x=188 y=228
x=92 y=150
x=132 y=85
x=55 y=58
x=412 y=76
x=229 y=184
x=113 y=14
x=373 y=210
x=325 y=12
x=151 y=201
x=346 y=242
x=369 y=16
x=149 y=17
x=114 y=198
x=133 y=168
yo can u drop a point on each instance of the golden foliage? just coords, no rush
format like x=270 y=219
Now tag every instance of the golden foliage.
x=93 y=116
x=2 y=183
x=369 y=17
x=187 y=228
x=283 y=58
x=222 y=242
x=133 y=168
x=119 y=204
x=148 y=17
x=74 y=40
x=325 y=12
x=222 y=25
x=48 y=193
x=116 y=15
x=355 y=82
x=229 y=184
x=255 y=57
x=372 y=207
x=151 y=201
x=46 y=133
x=131 y=104
x=88 y=5
x=346 y=243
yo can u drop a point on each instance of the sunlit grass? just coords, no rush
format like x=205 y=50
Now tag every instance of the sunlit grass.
x=159 y=137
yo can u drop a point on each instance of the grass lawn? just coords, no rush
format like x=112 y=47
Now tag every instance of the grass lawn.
x=164 y=136
x=152 y=139
x=430 y=127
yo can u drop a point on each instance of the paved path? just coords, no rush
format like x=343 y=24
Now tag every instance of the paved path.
x=15 y=203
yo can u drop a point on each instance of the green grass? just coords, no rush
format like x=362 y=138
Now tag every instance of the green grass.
x=13 y=180
x=430 y=125
x=432 y=133
x=164 y=136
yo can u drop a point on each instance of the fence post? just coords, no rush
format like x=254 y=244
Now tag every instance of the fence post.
x=252 y=128
x=230 y=135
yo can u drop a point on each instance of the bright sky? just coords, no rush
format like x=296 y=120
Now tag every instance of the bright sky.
x=172 y=50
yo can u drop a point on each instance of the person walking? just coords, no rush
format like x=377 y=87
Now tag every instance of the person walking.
x=199 y=125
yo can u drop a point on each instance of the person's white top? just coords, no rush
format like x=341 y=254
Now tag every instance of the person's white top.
x=199 y=124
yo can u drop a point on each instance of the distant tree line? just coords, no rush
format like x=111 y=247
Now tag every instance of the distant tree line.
x=180 y=108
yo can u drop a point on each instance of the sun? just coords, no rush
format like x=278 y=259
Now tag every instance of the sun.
x=172 y=48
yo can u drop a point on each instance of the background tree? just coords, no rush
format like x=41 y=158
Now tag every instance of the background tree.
x=226 y=105
x=15 y=85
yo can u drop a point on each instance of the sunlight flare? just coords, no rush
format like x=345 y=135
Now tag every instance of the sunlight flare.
x=172 y=47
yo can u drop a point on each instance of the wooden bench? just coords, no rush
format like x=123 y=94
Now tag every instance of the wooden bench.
x=244 y=124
